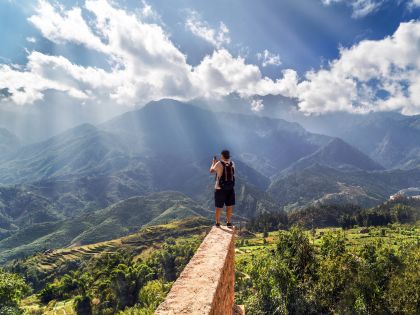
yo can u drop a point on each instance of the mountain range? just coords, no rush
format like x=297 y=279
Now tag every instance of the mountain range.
x=391 y=139
x=92 y=183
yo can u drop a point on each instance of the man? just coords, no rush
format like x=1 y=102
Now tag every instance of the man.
x=224 y=192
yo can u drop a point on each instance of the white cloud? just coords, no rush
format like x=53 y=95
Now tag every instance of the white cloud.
x=147 y=10
x=268 y=58
x=361 y=8
x=257 y=105
x=222 y=74
x=145 y=64
x=27 y=86
x=414 y=3
x=200 y=28
x=59 y=25
x=381 y=75
x=31 y=39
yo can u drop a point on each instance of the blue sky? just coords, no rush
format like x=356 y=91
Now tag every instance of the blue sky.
x=243 y=47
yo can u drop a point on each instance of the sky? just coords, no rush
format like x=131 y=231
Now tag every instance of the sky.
x=355 y=56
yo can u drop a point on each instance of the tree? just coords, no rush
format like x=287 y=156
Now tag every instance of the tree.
x=82 y=305
x=12 y=289
x=333 y=245
x=297 y=252
x=403 y=294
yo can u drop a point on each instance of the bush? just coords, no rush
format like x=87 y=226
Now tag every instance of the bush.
x=82 y=305
x=297 y=279
x=12 y=289
x=153 y=293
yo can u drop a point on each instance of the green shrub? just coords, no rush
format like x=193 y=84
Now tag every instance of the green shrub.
x=12 y=289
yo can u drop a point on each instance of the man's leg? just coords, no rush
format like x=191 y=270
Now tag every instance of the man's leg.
x=218 y=203
x=229 y=214
x=218 y=212
x=230 y=202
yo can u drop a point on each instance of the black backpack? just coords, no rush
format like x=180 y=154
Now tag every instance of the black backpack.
x=227 y=180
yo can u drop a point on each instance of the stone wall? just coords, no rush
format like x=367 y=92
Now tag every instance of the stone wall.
x=206 y=286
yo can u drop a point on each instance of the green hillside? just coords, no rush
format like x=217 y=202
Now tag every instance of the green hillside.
x=44 y=266
x=117 y=220
x=327 y=185
x=135 y=271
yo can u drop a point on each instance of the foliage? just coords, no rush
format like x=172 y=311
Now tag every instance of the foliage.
x=297 y=277
x=114 y=282
x=268 y=221
x=403 y=211
x=12 y=289
x=170 y=261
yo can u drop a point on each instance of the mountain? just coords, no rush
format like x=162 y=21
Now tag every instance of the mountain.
x=391 y=139
x=8 y=142
x=57 y=198
x=322 y=184
x=166 y=145
x=119 y=219
x=87 y=183
x=82 y=150
x=54 y=199
x=43 y=120
x=161 y=137
x=172 y=128
x=335 y=154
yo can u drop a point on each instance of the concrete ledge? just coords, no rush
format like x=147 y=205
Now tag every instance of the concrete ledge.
x=206 y=285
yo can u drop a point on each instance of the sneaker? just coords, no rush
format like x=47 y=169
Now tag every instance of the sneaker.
x=229 y=225
x=218 y=224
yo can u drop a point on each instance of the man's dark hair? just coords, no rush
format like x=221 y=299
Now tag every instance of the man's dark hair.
x=226 y=154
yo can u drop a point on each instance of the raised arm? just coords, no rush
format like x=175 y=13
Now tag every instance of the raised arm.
x=213 y=165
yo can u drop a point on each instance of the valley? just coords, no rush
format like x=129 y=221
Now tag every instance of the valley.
x=150 y=166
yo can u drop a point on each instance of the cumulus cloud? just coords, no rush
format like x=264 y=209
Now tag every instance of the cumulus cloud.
x=373 y=75
x=268 y=58
x=221 y=74
x=216 y=37
x=361 y=8
x=27 y=86
x=257 y=105
x=145 y=63
x=59 y=25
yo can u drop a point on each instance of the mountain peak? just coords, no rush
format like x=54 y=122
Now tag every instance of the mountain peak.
x=7 y=136
x=336 y=154
x=166 y=103
x=339 y=150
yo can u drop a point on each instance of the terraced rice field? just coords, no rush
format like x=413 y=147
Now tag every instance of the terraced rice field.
x=55 y=258
x=32 y=305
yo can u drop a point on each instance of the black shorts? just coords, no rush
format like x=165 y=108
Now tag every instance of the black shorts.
x=224 y=198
